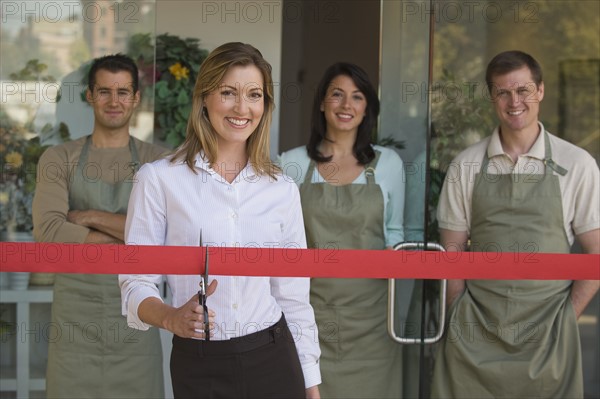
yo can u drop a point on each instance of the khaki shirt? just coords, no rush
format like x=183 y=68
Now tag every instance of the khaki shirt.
x=54 y=177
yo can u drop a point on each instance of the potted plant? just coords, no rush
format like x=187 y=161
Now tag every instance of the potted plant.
x=173 y=75
x=20 y=150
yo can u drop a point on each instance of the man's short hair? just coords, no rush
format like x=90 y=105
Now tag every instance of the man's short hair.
x=114 y=63
x=509 y=61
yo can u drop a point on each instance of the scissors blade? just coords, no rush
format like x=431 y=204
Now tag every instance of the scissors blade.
x=203 y=280
x=204 y=288
x=206 y=265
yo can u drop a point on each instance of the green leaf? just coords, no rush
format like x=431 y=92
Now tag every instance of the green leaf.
x=183 y=98
x=173 y=138
x=162 y=90
x=184 y=112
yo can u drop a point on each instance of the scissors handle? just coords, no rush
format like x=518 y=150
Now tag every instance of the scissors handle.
x=206 y=324
x=202 y=292
x=202 y=302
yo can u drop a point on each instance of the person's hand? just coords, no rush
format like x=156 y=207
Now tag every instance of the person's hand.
x=78 y=217
x=108 y=223
x=313 y=392
x=187 y=321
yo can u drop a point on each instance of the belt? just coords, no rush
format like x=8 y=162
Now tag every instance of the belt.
x=237 y=345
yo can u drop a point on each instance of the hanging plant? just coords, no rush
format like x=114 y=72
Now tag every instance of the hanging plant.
x=174 y=75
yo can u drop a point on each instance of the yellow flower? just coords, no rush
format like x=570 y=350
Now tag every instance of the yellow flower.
x=179 y=71
x=14 y=159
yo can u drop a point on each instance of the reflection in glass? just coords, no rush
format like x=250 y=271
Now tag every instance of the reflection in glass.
x=46 y=49
x=562 y=35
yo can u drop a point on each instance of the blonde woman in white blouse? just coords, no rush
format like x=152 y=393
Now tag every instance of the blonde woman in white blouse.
x=221 y=181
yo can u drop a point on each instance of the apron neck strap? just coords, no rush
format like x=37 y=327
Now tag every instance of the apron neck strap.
x=548 y=161
x=135 y=159
x=369 y=169
x=84 y=154
x=310 y=171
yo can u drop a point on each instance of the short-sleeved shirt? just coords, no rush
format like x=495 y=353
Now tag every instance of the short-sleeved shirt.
x=580 y=187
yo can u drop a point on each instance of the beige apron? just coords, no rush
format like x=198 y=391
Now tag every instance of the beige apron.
x=513 y=338
x=358 y=358
x=96 y=355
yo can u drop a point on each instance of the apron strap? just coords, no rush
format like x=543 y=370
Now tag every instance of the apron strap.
x=135 y=159
x=309 y=172
x=83 y=156
x=484 y=163
x=370 y=168
x=548 y=161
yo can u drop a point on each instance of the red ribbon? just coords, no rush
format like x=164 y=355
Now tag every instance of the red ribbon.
x=292 y=262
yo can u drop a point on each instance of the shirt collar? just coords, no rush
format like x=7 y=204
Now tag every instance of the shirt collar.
x=201 y=161
x=536 y=151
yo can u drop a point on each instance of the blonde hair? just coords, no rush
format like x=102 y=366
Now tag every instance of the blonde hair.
x=200 y=134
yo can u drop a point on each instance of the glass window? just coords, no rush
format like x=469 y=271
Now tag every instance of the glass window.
x=47 y=47
x=563 y=36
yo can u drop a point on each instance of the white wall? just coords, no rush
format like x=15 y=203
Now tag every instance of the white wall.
x=216 y=22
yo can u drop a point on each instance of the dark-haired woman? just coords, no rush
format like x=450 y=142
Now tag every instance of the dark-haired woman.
x=352 y=195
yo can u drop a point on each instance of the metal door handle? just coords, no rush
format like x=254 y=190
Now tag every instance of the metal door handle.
x=418 y=246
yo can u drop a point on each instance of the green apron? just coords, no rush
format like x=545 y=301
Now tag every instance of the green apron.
x=358 y=359
x=513 y=338
x=94 y=353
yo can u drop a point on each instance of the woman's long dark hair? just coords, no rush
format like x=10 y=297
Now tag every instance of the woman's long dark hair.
x=362 y=146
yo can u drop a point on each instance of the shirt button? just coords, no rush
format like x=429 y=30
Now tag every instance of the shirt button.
x=235 y=306
x=233 y=215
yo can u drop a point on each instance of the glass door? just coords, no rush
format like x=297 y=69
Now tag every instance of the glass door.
x=442 y=113
x=46 y=48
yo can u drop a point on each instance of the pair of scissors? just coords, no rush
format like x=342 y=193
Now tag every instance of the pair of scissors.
x=202 y=292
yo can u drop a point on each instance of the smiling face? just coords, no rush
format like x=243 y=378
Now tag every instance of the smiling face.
x=344 y=105
x=517 y=101
x=236 y=107
x=113 y=100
